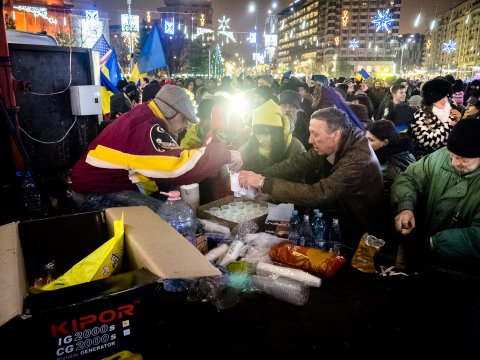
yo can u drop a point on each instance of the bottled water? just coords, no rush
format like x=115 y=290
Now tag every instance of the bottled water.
x=318 y=229
x=294 y=228
x=32 y=199
x=335 y=237
x=306 y=235
x=179 y=215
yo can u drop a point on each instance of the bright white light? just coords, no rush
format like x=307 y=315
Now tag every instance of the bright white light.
x=417 y=20
x=251 y=7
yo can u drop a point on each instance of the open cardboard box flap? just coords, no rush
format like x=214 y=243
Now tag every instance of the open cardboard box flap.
x=150 y=243
x=153 y=244
x=13 y=279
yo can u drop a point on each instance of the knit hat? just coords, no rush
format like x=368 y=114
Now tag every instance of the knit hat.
x=322 y=78
x=172 y=99
x=290 y=97
x=463 y=138
x=269 y=113
x=119 y=104
x=435 y=89
x=150 y=90
x=264 y=92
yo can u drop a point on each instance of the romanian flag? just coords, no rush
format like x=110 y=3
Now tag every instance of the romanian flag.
x=152 y=56
x=110 y=72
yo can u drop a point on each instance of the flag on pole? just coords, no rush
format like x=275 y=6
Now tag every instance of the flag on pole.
x=151 y=57
x=362 y=74
x=110 y=72
x=103 y=47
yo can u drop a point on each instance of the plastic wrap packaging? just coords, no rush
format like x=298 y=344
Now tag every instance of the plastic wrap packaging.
x=288 y=290
x=321 y=263
x=363 y=258
x=291 y=273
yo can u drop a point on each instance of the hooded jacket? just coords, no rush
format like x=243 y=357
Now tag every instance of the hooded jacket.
x=350 y=189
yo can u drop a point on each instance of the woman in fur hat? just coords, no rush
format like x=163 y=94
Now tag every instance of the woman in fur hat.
x=436 y=117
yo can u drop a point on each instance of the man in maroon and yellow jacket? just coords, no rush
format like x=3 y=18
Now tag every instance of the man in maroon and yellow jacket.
x=137 y=155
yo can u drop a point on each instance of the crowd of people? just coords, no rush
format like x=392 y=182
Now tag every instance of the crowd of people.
x=398 y=160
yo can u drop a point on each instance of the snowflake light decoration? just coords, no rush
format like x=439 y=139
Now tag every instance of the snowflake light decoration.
x=383 y=20
x=224 y=24
x=449 y=47
x=353 y=44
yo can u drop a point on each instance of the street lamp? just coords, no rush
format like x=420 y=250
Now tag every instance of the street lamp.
x=252 y=9
x=129 y=3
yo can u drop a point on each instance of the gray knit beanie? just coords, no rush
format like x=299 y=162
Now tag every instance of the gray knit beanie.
x=172 y=99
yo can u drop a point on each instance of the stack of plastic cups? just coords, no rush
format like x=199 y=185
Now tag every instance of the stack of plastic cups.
x=281 y=288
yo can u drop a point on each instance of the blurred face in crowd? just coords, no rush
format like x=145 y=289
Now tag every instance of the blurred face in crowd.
x=464 y=165
x=400 y=95
x=264 y=139
x=470 y=110
x=441 y=103
x=178 y=123
x=263 y=82
x=323 y=142
x=375 y=142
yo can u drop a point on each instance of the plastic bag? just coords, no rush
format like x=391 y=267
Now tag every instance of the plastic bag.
x=323 y=263
x=101 y=263
x=363 y=258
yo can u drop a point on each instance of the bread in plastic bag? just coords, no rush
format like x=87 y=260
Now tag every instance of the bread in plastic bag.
x=322 y=263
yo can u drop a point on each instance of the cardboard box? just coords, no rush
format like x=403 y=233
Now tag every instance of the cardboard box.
x=99 y=318
x=203 y=214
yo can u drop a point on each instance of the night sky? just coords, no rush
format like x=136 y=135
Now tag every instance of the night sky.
x=243 y=21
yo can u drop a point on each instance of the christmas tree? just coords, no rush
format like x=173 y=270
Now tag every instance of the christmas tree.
x=218 y=70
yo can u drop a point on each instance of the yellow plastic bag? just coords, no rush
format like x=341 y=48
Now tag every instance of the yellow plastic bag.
x=367 y=248
x=101 y=263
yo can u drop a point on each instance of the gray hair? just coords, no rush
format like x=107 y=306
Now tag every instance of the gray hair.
x=336 y=119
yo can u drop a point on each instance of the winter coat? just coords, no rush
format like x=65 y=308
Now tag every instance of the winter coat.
x=136 y=152
x=429 y=133
x=449 y=202
x=394 y=159
x=351 y=188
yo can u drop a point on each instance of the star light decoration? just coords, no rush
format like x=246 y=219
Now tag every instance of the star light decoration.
x=224 y=23
x=383 y=20
x=353 y=44
x=449 y=47
x=223 y=27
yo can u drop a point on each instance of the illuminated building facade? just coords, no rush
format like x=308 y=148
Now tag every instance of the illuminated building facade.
x=452 y=44
x=51 y=16
x=335 y=37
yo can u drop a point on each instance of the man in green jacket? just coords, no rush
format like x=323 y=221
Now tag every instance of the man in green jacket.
x=445 y=188
x=350 y=180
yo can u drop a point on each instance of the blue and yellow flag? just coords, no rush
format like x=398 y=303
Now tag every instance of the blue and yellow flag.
x=110 y=72
x=362 y=74
x=151 y=57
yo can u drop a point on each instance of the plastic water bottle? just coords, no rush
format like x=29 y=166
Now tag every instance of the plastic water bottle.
x=318 y=230
x=294 y=228
x=179 y=215
x=32 y=199
x=335 y=237
x=306 y=235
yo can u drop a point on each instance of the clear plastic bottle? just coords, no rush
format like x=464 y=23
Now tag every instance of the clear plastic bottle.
x=294 y=228
x=306 y=235
x=179 y=215
x=335 y=237
x=32 y=199
x=318 y=230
